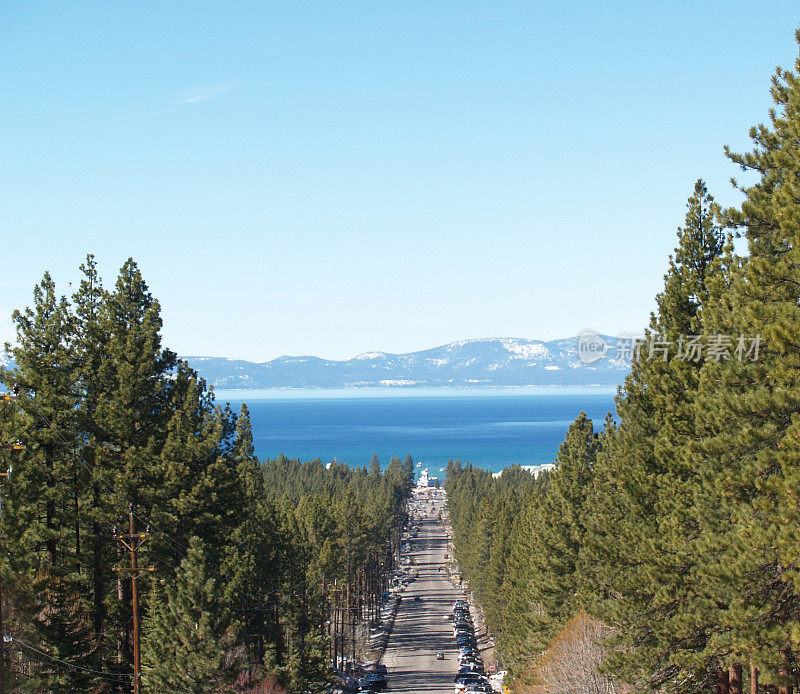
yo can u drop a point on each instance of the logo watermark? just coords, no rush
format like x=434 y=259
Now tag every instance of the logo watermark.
x=592 y=346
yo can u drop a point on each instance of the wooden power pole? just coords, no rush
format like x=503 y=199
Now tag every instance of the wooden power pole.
x=132 y=542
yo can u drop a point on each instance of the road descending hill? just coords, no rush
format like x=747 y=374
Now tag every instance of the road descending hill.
x=420 y=629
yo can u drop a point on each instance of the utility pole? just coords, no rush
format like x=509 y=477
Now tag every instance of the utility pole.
x=5 y=398
x=132 y=542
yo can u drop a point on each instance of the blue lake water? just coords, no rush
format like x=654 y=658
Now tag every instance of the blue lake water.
x=490 y=428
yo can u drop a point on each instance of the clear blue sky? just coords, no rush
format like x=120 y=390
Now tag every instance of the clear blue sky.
x=331 y=178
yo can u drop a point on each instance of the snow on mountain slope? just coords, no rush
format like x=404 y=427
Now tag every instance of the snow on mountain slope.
x=487 y=361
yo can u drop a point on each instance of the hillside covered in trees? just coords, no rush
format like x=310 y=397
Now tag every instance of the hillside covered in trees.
x=108 y=432
x=672 y=528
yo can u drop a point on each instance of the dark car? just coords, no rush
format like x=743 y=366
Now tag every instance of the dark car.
x=463 y=681
x=373 y=681
x=483 y=687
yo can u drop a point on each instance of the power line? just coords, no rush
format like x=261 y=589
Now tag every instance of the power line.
x=63 y=664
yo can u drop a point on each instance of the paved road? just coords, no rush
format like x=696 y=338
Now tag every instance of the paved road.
x=420 y=629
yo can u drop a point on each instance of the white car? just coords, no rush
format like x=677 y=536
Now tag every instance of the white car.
x=496 y=680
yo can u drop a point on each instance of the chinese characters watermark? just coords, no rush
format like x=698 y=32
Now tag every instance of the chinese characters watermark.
x=593 y=347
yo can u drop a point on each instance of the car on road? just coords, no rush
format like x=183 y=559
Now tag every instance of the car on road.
x=440 y=655
x=373 y=681
x=462 y=681
x=483 y=687
x=471 y=660
x=474 y=663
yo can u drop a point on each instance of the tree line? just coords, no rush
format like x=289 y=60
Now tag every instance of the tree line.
x=103 y=424
x=675 y=524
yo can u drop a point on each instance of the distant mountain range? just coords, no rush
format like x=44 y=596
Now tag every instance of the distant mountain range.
x=484 y=362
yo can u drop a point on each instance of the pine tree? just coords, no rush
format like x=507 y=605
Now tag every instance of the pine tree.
x=375 y=466
x=88 y=302
x=42 y=514
x=133 y=382
x=640 y=554
x=747 y=409
x=557 y=533
x=187 y=633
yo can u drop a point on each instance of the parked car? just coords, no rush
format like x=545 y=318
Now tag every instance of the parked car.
x=374 y=681
x=471 y=660
x=440 y=655
x=483 y=687
x=461 y=681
